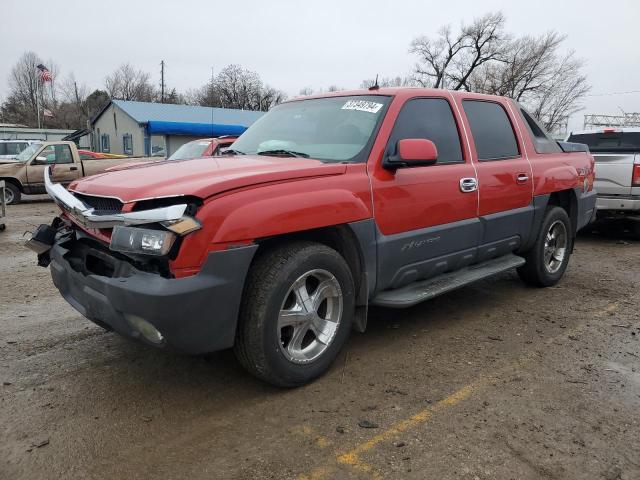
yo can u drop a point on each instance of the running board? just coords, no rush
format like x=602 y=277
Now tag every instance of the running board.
x=422 y=290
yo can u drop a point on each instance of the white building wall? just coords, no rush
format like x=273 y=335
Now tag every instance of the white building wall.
x=116 y=124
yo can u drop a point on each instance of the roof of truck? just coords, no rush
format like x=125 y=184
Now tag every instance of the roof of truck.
x=607 y=129
x=393 y=91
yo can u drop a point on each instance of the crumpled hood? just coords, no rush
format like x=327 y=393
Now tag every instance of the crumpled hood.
x=202 y=177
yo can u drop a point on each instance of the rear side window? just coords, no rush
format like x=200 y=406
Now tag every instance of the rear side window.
x=609 y=141
x=542 y=142
x=432 y=119
x=491 y=130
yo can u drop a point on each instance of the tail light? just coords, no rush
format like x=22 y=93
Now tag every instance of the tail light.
x=635 y=181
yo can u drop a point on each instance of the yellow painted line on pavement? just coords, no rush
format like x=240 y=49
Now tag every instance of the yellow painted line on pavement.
x=352 y=457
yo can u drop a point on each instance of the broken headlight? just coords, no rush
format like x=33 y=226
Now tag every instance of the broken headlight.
x=141 y=240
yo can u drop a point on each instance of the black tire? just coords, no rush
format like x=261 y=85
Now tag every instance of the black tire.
x=259 y=346
x=635 y=229
x=537 y=271
x=12 y=193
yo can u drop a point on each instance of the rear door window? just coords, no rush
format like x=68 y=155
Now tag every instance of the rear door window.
x=431 y=119
x=491 y=129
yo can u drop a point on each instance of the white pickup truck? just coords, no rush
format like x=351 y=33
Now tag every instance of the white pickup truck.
x=617 y=155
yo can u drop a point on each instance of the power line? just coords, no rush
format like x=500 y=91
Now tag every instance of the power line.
x=611 y=93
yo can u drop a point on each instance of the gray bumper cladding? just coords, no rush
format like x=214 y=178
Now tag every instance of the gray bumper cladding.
x=194 y=315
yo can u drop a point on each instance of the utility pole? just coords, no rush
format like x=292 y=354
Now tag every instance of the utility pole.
x=162 y=81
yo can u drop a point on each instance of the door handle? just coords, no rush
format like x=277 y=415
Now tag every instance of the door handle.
x=522 y=178
x=468 y=185
x=73 y=168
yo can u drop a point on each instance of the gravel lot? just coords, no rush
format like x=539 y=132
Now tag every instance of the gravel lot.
x=493 y=381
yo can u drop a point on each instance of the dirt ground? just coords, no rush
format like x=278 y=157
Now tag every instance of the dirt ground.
x=493 y=381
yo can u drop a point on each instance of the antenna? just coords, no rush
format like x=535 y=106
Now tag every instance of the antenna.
x=375 y=86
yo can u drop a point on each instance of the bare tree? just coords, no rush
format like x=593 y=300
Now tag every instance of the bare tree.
x=306 y=91
x=398 y=81
x=561 y=94
x=127 y=83
x=450 y=60
x=237 y=87
x=26 y=90
x=532 y=72
x=481 y=57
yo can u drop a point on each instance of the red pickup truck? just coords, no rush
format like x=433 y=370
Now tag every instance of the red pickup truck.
x=323 y=207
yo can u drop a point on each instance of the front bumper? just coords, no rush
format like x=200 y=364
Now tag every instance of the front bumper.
x=195 y=314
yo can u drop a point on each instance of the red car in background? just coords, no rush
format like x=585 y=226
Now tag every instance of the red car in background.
x=206 y=147
x=89 y=155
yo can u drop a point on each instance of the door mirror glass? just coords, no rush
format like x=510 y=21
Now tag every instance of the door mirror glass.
x=413 y=152
x=40 y=159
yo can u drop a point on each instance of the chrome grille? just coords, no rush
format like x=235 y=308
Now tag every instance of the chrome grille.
x=101 y=205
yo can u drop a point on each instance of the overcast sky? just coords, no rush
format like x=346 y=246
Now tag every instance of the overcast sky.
x=294 y=44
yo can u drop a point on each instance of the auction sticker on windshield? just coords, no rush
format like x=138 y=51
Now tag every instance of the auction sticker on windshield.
x=362 y=105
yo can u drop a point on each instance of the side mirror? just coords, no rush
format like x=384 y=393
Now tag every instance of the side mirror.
x=413 y=152
x=40 y=159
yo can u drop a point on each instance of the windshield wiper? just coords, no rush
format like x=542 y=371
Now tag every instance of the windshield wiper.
x=279 y=151
x=231 y=151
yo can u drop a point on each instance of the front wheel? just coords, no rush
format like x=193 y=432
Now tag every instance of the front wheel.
x=296 y=314
x=549 y=257
x=11 y=193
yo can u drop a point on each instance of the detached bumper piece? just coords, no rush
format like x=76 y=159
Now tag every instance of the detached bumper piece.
x=192 y=315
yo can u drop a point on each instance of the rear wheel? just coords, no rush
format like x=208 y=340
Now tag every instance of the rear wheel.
x=549 y=257
x=11 y=193
x=296 y=313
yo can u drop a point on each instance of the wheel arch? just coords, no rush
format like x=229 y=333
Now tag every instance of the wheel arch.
x=14 y=181
x=355 y=242
x=568 y=200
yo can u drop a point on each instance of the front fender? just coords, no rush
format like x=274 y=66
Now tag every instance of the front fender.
x=291 y=213
x=244 y=216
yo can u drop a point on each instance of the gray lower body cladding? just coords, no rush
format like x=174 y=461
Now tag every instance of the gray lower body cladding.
x=196 y=314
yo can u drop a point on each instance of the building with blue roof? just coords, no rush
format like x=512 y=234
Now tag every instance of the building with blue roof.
x=159 y=129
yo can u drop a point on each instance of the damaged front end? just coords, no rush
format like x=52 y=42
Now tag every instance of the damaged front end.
x=138 y=234
x=119 y=278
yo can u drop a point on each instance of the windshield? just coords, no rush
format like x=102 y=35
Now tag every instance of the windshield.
x=333 y=129
x=609 y=141
x=28 y=152
x=193 y=149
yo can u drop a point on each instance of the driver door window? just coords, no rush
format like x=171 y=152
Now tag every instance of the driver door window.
x=57 y=154
x=60 y=158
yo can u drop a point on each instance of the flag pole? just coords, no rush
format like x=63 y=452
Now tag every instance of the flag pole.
x=38 y=100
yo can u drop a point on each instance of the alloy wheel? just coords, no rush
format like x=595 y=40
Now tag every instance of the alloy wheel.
x=310 y=316
x=555 y=246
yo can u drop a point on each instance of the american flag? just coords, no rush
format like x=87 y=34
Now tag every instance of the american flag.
x=45 y=74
